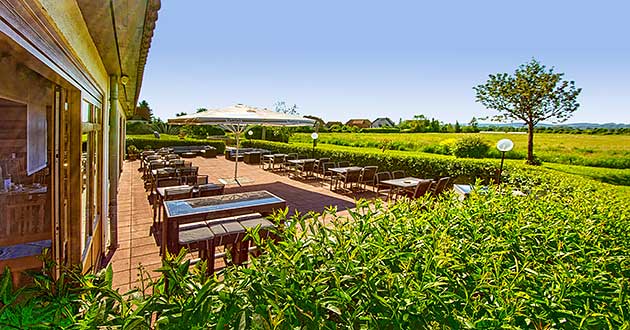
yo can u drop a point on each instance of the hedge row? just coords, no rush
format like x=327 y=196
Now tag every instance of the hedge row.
x=431 y=166
x=144 y=141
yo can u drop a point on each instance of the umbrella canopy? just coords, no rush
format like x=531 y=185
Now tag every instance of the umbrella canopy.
x=241 y=115
x=236 y=119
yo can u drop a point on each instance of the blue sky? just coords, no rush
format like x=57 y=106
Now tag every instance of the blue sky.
x=368 y=59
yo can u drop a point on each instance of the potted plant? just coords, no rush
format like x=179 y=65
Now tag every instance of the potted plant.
x=132 y=152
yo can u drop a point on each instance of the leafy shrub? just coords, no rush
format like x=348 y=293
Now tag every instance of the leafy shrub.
x=555 y=259
x=164 y=128
x=432 y=166
x=202 y=131
x=139 y=127
x=380 y=130
x=470 y=147
x=142 y=141
x=132 y=149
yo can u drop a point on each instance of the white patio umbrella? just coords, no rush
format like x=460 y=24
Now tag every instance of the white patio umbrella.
x=237 y=118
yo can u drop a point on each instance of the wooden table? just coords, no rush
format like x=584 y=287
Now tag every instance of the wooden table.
x=214 y=208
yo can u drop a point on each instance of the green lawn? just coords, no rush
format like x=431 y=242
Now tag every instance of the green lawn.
x=612 y=151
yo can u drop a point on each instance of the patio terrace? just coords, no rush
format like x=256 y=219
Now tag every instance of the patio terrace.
x=135 y=215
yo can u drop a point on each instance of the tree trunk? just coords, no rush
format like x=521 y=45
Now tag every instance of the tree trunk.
x=530 y=144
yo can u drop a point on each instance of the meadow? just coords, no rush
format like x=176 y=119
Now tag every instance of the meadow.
x=610 y=151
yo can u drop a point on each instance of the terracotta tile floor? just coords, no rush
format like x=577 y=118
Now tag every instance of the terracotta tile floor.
x=135 y=216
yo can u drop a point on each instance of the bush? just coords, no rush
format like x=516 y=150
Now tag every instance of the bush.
x=381 y=130
x=139 y=127
x=470 y=147
x=556 y=259
x=432 y=166
x=142 y=141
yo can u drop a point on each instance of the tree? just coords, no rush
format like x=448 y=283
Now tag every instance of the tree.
x=180 y=114
x=143 y=111
x=458 y=127
x=533 y=94
x=201 y=110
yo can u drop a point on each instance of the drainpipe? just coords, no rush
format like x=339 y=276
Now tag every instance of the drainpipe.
x=114 y=168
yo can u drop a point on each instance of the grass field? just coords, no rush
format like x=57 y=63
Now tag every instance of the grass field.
x=611 y=151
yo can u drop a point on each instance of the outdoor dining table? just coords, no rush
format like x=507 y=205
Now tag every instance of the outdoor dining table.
x=212 y=209
x=404 y=183
x=273 y=156
x=300 y=161
x=401 y=184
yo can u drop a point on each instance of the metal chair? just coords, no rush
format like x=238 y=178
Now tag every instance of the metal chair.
x=211 y=189
x=399 y=174
x=350 y=177
x=286 y=166
x=421 y=189
x=380 y=177
x=343 y=164
x=305 y=168
x=440 y=186
x=367 y=176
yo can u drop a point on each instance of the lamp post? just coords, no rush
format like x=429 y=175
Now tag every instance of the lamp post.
x=250 y=133
x=314 y=136
x=504 y=146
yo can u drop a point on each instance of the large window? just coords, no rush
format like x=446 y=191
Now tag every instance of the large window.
x=91 y=167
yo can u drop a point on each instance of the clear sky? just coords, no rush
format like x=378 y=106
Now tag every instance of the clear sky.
x=366 y=59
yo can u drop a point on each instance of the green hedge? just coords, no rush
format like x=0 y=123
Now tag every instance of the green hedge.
x=380 y=130
x=430 y=166
x=141 y=141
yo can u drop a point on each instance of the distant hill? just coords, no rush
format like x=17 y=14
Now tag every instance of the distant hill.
x=572 y=125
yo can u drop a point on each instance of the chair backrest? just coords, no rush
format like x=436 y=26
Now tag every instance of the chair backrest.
x=211 y=189
x=441 y=185
x=343 y=164
x=368 y=173
x=308 y=166
x=328 y=165
x=398 y=174
x=422 y=188
x=324 y=160
x=176 y=162
x=171 y=156
x=292 y=156
x=166 y=172
x=177 y=193
x=382 y=176
x=151 y=157
x=202 y=179
x=167 y=182
x=155 y=164
x=353 y=176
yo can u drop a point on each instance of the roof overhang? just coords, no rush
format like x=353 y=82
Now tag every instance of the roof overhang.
x=122 y=31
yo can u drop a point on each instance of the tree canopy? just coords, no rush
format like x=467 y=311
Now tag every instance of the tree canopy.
x=532 y=94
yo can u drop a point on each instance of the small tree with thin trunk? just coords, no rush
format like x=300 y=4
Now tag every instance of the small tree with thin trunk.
x=533 y=94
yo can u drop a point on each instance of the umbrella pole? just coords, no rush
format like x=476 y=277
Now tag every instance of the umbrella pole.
x=238 y=145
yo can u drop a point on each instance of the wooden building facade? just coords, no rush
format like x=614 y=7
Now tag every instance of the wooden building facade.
x=70 y=75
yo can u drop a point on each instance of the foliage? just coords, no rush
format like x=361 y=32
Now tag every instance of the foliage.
x=139 y=127
x=141 y=141
x=202 y=131
x=132 y=149
x=271 y=133
x=380 y=130
x=470 y=147
x=143 y=112
x=164 y=128
x=426 y=166
x=531 y=95
x=586 y=150
x=557 y=258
